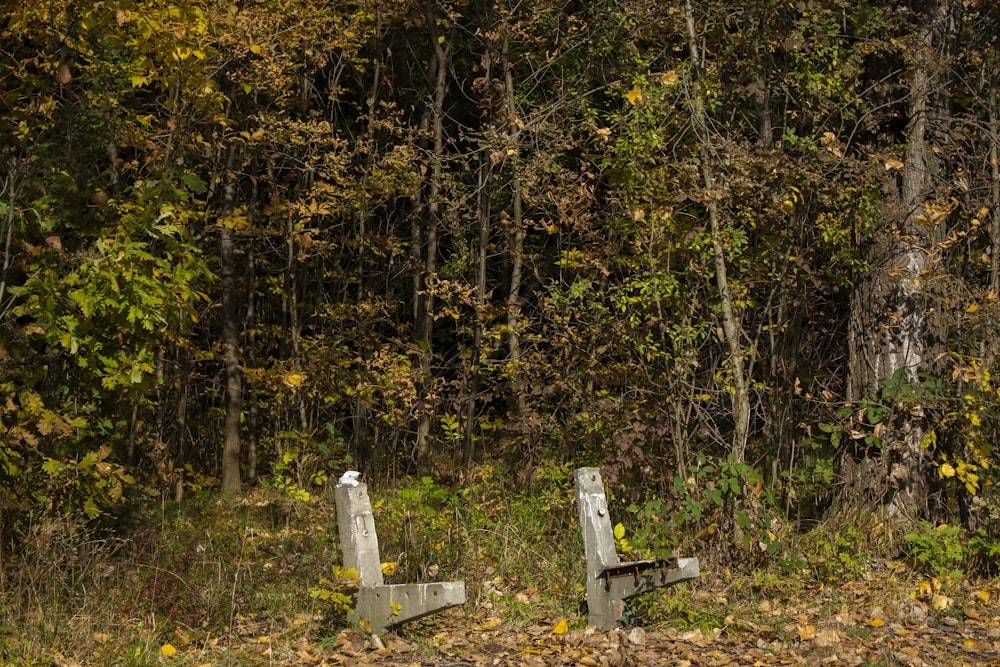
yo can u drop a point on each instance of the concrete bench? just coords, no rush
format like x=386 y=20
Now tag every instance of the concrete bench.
x=610 y=581
x=379 y=603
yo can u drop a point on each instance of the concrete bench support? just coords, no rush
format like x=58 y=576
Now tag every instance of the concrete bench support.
x=375 y=599
x=611 y=581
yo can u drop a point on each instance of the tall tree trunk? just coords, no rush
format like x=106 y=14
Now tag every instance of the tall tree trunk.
x=253 y=425
x=484 y=187
x=360 y=432
x=731 y=328
x=180 y=424
x=292 y=290
x=10 y=188
x=517 y=224
x=890 y=331
x=993 y=65
x=231 y=482
x=425 y=311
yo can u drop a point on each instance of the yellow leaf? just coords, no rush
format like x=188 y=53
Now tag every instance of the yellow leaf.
x=168 y=651
x=876 y=622
x=389 y=568
x=255 y=49
x=489 y=623
x=365 y=625
x=634 y=96
x=293 y=379
x=669 y=78
x=941 y=602
x=561 y=628
x=807 y=632
x=947 y=470
x=619 y=531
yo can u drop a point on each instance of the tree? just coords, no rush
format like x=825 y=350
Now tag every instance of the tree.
x=895 y=338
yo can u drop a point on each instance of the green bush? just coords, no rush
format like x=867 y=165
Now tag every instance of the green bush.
x=941 y=550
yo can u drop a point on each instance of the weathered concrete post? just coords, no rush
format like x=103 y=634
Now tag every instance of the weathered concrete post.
x=382 y=605
x=609 y=580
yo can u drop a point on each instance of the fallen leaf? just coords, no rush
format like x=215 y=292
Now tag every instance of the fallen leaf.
x=168 y=650
x=827 y=637
x=807 y=632
x=561 y=628
x=489 y=623
x=941 y=602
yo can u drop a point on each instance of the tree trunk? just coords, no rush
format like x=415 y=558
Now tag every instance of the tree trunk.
x=292 y=289
x=425 y=297
x=731 y=328
x=517 y=215
x=253 y=425
x=231 y=482
x=890 y=331
x=994 y=132
x=360 y=431
x=484 y=211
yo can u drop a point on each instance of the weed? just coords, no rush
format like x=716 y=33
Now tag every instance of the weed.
x=674 y=606
x=940 y=550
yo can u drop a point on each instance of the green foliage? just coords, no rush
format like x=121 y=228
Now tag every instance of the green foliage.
x=674 y=606
x=335 y=591
x=984 y=552
x=940 y=550
x=419 y=521
x=832 y=552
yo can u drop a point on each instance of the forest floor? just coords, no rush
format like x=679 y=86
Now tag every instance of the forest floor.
x=879 y=619
x=217 y=584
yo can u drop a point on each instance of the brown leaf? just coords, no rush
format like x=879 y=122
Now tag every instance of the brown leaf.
x=827 y=637
x=63 y=74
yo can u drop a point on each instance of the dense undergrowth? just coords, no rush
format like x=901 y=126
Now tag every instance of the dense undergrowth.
x=215 y=571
